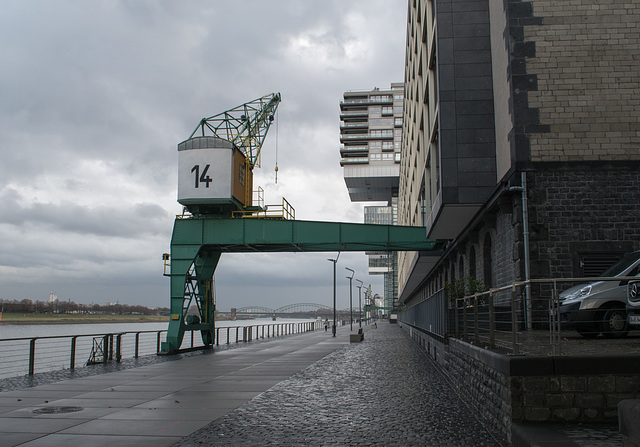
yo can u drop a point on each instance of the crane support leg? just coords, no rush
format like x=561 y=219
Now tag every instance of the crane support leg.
x=192 y=269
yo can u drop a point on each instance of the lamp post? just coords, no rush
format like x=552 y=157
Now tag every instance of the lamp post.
x=360 y=301
x=335 y=261
x=350 y=295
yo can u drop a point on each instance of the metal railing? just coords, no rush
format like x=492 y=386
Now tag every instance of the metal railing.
x=31 y=355
x=523 y=318
x=281 y=211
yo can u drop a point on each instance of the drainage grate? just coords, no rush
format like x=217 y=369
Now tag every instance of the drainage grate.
x=56 y=410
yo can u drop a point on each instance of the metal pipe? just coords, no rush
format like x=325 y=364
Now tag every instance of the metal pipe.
x=525 y=233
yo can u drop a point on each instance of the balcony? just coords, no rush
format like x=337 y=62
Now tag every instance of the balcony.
x=355 y=125
x=367 y=101
x=352 y=113
x=354 y=161
x=354 y=149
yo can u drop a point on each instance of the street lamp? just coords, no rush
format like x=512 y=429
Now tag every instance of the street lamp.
x=360 y=301
x=335 y=261
x=350 y=295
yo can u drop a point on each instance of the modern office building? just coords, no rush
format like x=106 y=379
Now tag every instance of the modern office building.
x=370 y=137
x=383 y=263
x=521 y=145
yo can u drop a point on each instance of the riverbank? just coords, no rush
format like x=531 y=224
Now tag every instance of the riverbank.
x=11 y=318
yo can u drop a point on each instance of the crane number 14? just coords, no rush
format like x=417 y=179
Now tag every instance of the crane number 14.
x=201 y=178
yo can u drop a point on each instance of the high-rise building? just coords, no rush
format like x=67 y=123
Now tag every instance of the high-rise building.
x=371 y=136
x=502 y=98
x=384 y=263
x=521 y=145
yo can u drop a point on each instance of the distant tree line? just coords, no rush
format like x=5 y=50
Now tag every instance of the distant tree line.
x=69 y=307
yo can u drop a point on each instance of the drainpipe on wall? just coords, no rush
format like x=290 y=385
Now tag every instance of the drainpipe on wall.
x=525 y=231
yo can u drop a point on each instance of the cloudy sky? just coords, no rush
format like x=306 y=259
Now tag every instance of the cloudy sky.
x=95 y=96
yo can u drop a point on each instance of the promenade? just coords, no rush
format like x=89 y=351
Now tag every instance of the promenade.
x=302 y=390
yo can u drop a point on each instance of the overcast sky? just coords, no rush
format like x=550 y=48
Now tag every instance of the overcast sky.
x=95 y=96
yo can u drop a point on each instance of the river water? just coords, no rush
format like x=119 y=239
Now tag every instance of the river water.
x=55 y=353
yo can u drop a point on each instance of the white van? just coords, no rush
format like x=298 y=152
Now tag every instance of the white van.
x=600 y=307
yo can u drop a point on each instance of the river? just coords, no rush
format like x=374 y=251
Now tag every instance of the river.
x=55 y=353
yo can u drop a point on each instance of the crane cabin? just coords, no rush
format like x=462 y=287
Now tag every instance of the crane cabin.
x=215 y=164
x=213 y=176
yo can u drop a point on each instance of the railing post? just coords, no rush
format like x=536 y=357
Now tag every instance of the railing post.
x=492 y=321
x=228 y=329
x=72 y=360
x=217 y=336
x=32 y=355
x=464 y=318
x=105 y=349
x=554 y=325
x=237 y=334
x=455 y=315
x=476 y=326
x=158 y=343
x=135 y=356
x=514 y=323
x=118 y=347
x=192 y=338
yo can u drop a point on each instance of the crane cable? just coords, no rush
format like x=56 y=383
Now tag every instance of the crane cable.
x=277 y=123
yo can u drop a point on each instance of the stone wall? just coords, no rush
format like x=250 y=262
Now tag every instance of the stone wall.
x=571 y=398
x=508 y=389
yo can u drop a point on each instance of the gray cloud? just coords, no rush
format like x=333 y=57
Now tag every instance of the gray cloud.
x=96 y=96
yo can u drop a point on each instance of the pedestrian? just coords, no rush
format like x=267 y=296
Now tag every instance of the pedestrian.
x=326 y=324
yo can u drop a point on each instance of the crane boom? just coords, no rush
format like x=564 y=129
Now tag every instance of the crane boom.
x=246 y=126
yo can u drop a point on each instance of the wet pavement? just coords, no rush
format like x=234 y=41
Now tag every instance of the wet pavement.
x=310 y=389
x=383 y=391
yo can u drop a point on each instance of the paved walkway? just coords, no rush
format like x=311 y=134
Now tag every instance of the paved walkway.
x=310 y=389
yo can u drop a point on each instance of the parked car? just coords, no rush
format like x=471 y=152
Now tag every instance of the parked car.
x=600 y=307
x=633 y=304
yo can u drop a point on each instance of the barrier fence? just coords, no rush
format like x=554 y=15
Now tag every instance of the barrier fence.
x=31 y=355
x=524 y=317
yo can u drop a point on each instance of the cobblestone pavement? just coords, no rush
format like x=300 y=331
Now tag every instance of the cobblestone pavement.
x=383 y=391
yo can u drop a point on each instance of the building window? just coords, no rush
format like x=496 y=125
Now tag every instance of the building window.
x=382 y=133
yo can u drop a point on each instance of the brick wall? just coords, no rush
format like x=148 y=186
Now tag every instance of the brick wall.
x=585 y=57
x=581 y=208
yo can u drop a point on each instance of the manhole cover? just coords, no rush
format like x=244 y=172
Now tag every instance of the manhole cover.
x=56 y=410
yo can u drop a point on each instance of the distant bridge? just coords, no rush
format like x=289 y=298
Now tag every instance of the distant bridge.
x=298 y=310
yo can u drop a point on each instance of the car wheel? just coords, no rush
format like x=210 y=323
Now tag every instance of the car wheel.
x=614 y=323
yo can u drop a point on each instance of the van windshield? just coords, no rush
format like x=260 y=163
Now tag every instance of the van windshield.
x=621 y=265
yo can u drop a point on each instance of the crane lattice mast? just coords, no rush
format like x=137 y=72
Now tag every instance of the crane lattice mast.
x=246 y=126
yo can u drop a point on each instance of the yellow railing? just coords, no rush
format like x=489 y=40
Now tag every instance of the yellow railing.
x=283 y=211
